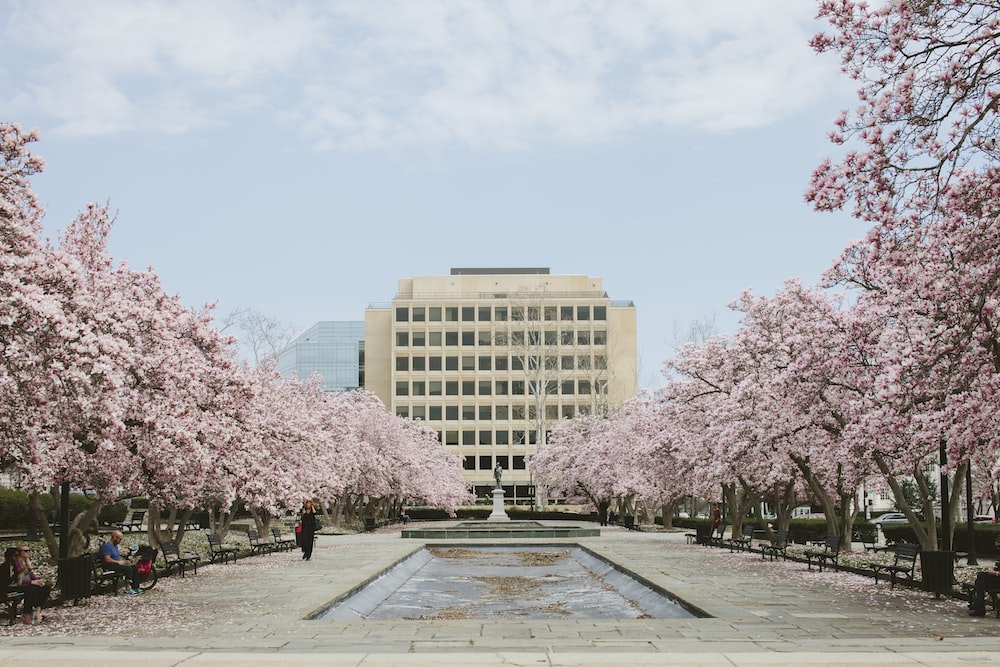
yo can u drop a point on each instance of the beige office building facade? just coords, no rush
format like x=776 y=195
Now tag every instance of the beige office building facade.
x=492 y=357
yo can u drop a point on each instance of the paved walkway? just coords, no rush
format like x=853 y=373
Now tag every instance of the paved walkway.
x=763 y=613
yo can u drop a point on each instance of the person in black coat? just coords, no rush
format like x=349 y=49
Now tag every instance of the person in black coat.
x=308 y=534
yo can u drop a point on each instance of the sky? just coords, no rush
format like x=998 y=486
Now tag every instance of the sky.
x=298 y=158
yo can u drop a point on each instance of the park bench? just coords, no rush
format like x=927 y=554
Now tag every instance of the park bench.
x=217 y=550
x=280 y=542
x=828 y=555
x=133 y=523
x=741 y=543
x=715 y=537
x=10 y=599
x=172 y=557
x=902 y=565
x=257 y=545
x=776 y=547
x=104 y=579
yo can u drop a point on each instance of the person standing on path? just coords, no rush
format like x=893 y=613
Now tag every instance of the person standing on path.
x=308 y=523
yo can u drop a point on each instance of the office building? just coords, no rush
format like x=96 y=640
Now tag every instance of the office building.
x=334 y=350
x=491 y=358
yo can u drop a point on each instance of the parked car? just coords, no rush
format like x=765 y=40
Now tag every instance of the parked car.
x=890 y=518
x=983 y=518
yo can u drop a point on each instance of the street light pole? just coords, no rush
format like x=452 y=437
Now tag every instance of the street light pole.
x=970 y=524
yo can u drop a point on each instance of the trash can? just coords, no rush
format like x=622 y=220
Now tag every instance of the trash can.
x=937 y=571
x=74 y=576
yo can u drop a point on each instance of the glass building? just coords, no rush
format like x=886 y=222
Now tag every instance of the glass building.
x=334 y=350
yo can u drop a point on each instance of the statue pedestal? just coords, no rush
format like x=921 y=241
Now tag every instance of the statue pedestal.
x=499 y=513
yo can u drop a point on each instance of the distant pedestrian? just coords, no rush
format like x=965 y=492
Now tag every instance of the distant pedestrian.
x=308 y=523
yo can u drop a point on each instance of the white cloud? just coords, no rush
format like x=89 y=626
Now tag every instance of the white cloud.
x=376 y=74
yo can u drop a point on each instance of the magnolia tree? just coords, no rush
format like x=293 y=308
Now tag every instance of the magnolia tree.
x=922 y=169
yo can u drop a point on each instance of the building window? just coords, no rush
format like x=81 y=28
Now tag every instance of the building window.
x=419 y=363
x=567 y=411
x=485 y=338
x=402 y=363
x=552 y=412
x=568 y=387
x=485 y=363
x=418 y=412
x=469 y=412
x=584 y=386
x=500 y=313
x=503 y=437
x=500 y=338
x=451 y=314
x=567 y=337
x=600 y=362
x=402 y=411
x=434 y=387
x=484 y=313
x=451 y=412
x=403 y=314
x=550 y=313
x=583 y=363
x=551 y=362
x=517 y=387
x=533 y=314
x=451 y=363
x=583 y=338
x=517 y=462
x=486 y=438
x=418 y=314
x=451 y=338
x=418 y=388
x=518 y=437
x=517 y=412
x=566 y=362
x=582 y=313
x=469 y=388
x=434 y=363
x=486 y=463
x=551 y=337
x=434 y=338
x=468 y=338
x=501 y=411
x=402 y=339
x=434 y=314
x=485 y=412
x=468 y=437
x=501 y=387
x=451 y=388
x=468 y=313
x=402 y=389
x=485 y=387
x=468 y=363
x=451 y=437
x=566 y=313
x=600 y=337
x=600 y=313
x=469 y=463
x=500 y=363
x=434 y=413
x=418 y=338
x=517 y=313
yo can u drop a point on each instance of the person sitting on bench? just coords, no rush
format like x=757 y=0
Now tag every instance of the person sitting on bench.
x=112 y=559
x=985 y=581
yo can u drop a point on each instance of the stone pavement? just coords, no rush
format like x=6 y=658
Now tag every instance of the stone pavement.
x=762 y=613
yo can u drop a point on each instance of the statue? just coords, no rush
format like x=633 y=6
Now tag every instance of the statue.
x=498 y=473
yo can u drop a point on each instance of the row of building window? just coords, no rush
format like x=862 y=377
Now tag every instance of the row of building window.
x=568 y=387
x=489 y=337
x=500 y=313
x=436 y=413
x=469 y=362
x=515 y=462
